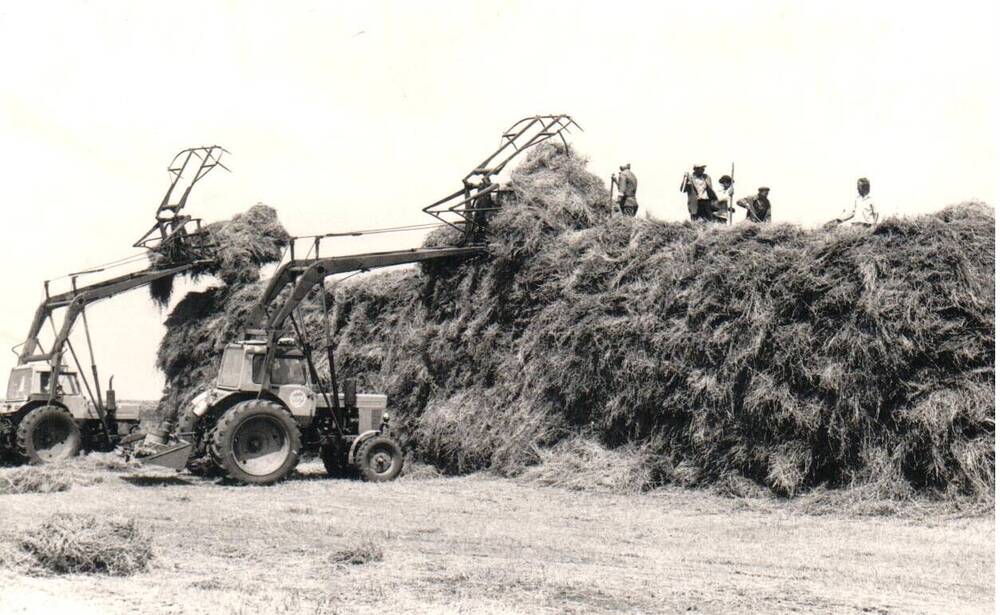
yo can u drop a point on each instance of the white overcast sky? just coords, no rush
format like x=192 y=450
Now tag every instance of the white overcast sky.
x=355 y=115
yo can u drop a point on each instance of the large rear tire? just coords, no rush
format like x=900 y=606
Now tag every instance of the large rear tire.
x=379 y=459
x=47 y=434
x=256 y=442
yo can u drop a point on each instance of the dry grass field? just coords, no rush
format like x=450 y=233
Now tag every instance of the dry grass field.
x=480 y=544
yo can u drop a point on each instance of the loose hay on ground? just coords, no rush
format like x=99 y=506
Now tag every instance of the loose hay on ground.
x=34 y=479
x=360 y=550
x=69 y=543
x=58 y=476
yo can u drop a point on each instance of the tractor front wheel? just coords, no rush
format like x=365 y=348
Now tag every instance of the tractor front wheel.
x=47 y=434
x=379 y=459
x=256 y=442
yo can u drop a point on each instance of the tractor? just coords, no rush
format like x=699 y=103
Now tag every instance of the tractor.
x=269 y=406
x=47 y=415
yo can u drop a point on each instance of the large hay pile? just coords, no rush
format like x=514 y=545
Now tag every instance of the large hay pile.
x=233 y=250
x=792 y=357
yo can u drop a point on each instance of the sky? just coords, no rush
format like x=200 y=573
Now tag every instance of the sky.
x=356 y=115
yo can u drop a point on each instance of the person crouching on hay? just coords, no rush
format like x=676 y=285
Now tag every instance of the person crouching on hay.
x=863 y=213
x=627 y=185
x=758 y=206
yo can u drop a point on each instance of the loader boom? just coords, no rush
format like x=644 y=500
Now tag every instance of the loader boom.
x=307 y=274
x=79 y=298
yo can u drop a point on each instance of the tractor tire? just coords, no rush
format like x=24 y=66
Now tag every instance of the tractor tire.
x=47 y=434
x=256 y=442
x=379 y=459
x=335 y=461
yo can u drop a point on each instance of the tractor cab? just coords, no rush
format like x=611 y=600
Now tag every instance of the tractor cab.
x=30 y=383
x=241 y=370
x=242 y=366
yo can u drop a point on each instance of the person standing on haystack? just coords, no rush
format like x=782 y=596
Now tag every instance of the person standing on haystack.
x=724 y=204
x=863 y=213
x=482 y=208
x=627 y=185
x=758 y=206
x=700 y=194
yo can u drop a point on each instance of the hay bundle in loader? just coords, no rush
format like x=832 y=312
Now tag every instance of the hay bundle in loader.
x=792 y=357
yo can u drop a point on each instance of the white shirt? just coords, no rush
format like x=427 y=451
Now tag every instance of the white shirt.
x=863 y=211
x=700 y=186
x=725 y=194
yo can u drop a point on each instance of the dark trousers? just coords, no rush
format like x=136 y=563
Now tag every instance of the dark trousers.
x=704 y=211
x=628 y=205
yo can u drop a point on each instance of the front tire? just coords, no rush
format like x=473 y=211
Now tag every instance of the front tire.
x=256 y=442
x=379 y=459
x=47 y=434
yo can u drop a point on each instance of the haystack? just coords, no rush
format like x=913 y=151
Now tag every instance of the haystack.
x=233 y=250
x=790 y=357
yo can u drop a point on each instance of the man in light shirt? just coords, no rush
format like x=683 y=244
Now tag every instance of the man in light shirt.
x=724 y=206
x=863 y=213
x=700 y=194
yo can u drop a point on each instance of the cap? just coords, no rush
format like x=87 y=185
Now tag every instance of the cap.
x=763 y=188
x=698 y=166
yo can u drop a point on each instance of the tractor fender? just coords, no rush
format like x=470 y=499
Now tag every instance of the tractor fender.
x=371 y=433
x=200 y=403
x=17 y=411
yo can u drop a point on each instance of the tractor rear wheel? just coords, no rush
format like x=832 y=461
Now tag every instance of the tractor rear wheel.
x=256 y=442
x=47 y=434
x=379 y=459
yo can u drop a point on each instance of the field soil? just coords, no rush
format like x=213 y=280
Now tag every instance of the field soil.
x=479 y=544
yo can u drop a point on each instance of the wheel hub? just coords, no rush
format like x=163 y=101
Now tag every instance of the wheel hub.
x=381 y=461
x=260 y=446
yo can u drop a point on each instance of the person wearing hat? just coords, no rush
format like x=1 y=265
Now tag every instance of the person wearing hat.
x=758 y=206
x=627 y=184
x=863 y=213
x=700 y=194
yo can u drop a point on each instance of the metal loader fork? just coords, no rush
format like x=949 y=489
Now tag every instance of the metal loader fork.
x=186 y=169
x=464 y=210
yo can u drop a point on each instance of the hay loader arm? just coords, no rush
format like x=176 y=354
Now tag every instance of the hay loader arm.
x=306 y=274
x=75 y=302
x=458 y=209
x=187 y=168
